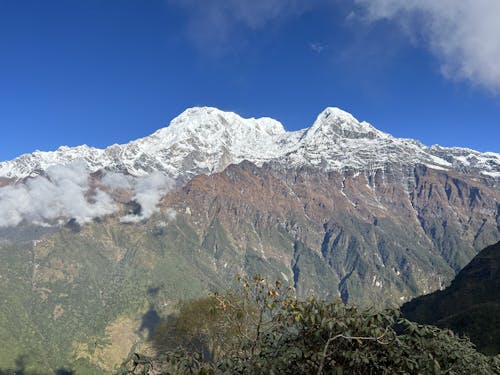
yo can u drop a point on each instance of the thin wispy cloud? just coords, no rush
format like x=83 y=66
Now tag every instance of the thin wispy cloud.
x=464 y=35
x=318 y=47
x=212 y=24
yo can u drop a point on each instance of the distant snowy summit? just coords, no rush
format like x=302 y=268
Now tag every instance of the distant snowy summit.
x=207 y=140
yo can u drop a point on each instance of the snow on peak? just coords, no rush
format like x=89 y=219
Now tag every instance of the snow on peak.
x=335 y=123
x=206 y=140
x=197 y=118
x=336 y=112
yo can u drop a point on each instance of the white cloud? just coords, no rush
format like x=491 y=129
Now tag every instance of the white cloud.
x=463 y=34
x=118 y=181
x=148 y=192
x=171 y=214
x=64 y=192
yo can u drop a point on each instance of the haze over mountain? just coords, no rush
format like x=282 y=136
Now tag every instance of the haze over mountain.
x=92 y=240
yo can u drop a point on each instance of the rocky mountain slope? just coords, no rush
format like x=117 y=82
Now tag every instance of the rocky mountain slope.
x=339 y=233
x=97 y=243
x=470 y=305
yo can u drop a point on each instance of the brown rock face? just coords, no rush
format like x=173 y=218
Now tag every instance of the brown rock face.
x=5 y=181
x=380 y=236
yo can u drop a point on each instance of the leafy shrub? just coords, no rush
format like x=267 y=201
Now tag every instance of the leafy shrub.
x=262 y=329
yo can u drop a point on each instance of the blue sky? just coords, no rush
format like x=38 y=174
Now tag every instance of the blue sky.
x=108 y=71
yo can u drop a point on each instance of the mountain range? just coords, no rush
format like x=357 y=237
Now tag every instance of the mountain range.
x=207 y=140
x=95 y=244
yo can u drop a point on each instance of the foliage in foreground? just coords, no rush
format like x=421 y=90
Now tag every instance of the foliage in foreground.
x=262 y=329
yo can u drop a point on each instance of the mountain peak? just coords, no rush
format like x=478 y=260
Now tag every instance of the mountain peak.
x=335 y=122
x=211 y=117
x=337 y=112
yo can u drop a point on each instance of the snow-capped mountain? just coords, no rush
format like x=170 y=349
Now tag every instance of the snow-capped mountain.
x=206 y=140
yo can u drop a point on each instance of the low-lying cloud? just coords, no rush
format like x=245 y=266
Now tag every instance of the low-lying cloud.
x=464 y=35
x=65 y=192
x=148 y=192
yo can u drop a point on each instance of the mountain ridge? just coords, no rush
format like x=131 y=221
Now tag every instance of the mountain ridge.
x=206 y=140
x=470 y=305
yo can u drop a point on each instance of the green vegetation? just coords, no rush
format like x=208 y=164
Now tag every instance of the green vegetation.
x=76 y=300
x=262 y=329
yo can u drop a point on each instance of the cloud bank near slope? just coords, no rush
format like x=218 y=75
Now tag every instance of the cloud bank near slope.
x=147 y=190
x=66 y=192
